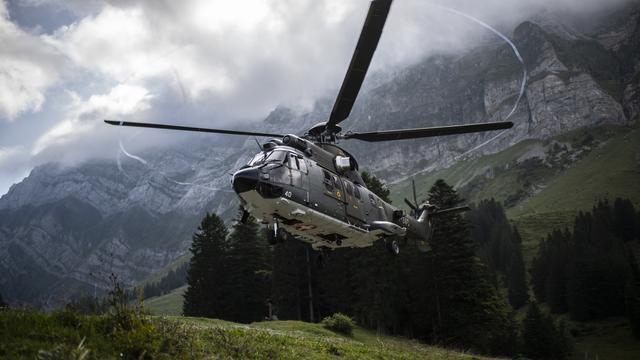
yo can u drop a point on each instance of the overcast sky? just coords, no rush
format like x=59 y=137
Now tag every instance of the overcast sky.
x=67 y=64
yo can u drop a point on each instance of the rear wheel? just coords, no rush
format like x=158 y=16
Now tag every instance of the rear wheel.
x=393 y=247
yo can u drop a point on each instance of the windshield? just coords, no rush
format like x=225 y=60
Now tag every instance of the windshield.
x=257 y=159
x=277 y=156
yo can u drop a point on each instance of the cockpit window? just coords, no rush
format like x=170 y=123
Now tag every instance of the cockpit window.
x=272 y=156
x=257 y=159
x=277 y=156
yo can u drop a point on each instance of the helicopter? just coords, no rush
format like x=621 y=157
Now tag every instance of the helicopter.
x=310 y=189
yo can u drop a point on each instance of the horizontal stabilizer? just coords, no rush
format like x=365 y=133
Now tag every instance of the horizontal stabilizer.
x=451 y=210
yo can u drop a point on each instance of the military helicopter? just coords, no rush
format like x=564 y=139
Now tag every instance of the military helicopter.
x=308 y=188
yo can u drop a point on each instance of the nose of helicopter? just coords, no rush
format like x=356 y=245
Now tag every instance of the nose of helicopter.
x=245 y=180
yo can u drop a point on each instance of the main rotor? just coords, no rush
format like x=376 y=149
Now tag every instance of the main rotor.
x=330 y=131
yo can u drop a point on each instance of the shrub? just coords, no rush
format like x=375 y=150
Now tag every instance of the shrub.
x=339 y=323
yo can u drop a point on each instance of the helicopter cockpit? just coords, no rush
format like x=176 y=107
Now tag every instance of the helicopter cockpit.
x=275 y=156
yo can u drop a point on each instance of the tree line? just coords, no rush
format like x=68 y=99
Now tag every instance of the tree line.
x=451 y=295
x=591 y=272
x=172 y=280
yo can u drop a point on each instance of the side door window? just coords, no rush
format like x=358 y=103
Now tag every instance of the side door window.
x=328 y=182
x=333 y=186
x=302 y=164
x=297 y=176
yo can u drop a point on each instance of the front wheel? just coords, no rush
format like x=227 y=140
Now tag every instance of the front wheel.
x=275 y=236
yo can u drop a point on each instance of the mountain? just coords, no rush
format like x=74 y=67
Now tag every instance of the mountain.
x=63 y=230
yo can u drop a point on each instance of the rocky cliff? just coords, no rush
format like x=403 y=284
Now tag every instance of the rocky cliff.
x=63 y=230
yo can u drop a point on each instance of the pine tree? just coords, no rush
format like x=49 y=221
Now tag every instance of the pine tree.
x=632 y=302
x=469 y=312
x=206 y=277
x=556 y=281
x=379 y=284
x=288 y=280
x=378 y=290
x=539 y=270
x=535 y=334
x=599 y=268
x=336 y=282
x=624 y=220
x=376 y=186
x=516 y=276
x=542 y=339
x=499 y=246
x=248 y=273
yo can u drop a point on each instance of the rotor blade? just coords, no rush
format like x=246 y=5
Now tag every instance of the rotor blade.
x=360 y=61
x=388 y=135
x=188 y=128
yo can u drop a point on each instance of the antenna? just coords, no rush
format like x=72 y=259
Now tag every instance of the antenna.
x=258 y=142
x=415 y=198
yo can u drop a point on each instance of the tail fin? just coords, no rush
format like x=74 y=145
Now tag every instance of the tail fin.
x=420 y=225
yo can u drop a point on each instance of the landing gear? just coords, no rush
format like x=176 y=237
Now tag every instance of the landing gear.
x=320 y=259
x=392 y=246
x=275 y=234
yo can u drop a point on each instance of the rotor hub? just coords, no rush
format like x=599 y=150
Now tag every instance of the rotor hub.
x=322 y=133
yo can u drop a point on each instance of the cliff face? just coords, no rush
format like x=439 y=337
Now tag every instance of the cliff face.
x=63 y=230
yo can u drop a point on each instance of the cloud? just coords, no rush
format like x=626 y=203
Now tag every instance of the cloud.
x=28 y=67
x=12 y=158
x=82 y=134
x=244 y=58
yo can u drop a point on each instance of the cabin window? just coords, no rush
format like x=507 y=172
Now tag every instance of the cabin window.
x=303 y=165
x=336 y=181
x=349 y=189
x=328 y=183
x=356 y=191
x=293 y=162
x=372 y=200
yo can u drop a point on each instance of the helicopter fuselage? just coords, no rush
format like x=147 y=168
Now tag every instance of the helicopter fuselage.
x=314 y=192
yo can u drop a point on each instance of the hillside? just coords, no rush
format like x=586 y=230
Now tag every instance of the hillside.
x=543 y=184
x=167 y=304
x=59 y=336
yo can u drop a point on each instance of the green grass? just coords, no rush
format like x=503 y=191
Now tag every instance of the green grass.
x=606 y=339
x=168 y=304
x=26 y=334
x=296 y=340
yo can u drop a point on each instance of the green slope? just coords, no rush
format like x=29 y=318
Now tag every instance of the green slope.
x=168 y=304
x=157 y=276
x=298 y=340
x=541 y=196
